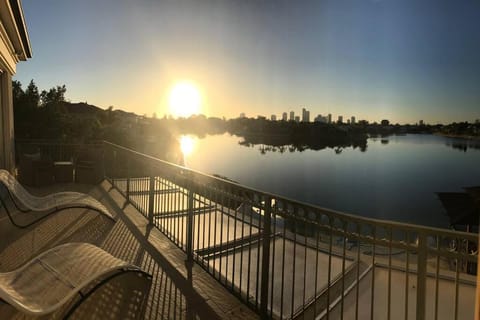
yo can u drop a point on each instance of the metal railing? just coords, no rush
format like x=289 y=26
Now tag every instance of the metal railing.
x=287 y=259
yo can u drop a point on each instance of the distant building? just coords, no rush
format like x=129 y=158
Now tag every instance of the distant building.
x=348 y=121
x=273 y=117
x=305 y=115
x=297 y=118
x=284 y=116
x=261 y=117
x=352 y=120
x=292 y=115
x=329 y=118
x=385 y=122
x=321 y=119
x=340 y=119
x=421 y=122
x=242 y=115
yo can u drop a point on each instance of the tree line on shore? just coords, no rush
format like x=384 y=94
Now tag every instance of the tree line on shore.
x=48 y=115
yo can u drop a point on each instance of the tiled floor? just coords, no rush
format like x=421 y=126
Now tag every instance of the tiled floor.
x=177 y=292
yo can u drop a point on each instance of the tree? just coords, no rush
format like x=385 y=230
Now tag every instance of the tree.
x=32 y=97
x=17 y=90
x=53 y=96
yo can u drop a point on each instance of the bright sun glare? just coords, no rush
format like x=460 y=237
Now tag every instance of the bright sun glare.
x=184 y=100
x=186 y=145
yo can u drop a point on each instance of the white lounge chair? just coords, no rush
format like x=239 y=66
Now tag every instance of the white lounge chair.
x=53 y=202
x=53 y=280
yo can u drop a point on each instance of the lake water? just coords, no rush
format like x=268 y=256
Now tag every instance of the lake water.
x=395 y=178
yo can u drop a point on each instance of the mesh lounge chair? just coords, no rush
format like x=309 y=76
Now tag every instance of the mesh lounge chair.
x=63 y=279
x=51 y=203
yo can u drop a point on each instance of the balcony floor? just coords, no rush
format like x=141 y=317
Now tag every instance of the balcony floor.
x=176 y=292
x=179 y=293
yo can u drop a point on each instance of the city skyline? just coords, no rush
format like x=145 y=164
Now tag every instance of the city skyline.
x=329 y=118
x=399 y=60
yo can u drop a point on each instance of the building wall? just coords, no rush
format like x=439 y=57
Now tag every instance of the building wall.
x=14 y=47
x=7 y=142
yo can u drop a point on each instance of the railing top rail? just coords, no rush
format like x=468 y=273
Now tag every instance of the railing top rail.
x=337 y=214
x=46 y=142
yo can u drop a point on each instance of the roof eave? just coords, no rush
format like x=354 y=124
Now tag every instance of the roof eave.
x=18 y=15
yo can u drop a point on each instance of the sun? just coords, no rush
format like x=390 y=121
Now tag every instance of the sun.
x=185 y=100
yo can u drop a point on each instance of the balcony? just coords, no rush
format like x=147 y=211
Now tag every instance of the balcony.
x=222 y=250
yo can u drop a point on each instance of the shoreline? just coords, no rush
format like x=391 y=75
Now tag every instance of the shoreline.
x=457 y=136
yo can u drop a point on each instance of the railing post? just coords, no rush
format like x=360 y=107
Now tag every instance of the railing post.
x=114 y=168
x=265 y=258
x=189 y=244
x=421 y=275
x=127 y=191
x=151 y=197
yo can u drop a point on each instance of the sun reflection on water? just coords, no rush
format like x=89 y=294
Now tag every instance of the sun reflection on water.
x=187 y=145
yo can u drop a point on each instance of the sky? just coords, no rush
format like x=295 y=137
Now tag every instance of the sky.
x=402 y=60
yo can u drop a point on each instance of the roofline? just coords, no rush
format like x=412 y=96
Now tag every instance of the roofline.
x=21 y=26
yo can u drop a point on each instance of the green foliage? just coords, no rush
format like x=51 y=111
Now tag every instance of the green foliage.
x=31 y=96
x=48 y=116
x=53 y=96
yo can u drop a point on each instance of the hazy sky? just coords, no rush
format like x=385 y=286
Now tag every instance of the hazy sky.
x=403 y=60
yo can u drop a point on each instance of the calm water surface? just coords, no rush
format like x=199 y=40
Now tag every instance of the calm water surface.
x=395 y=178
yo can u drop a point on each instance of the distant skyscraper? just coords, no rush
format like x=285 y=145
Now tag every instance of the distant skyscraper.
x=329 y=118
x=352 y=120
x=420 y=122
x=242 y=115
x=284 y=116
x=292 y=115
x=273 y=117
x=305 y=115
x=297 y=118
x=340 y=119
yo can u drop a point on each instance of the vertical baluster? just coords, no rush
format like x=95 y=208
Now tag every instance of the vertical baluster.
x=357 y=287
x=151 y=194
x=372 y=291
x=437 y=273
x=457 y=274
x=422 y=275
x=329 y=274
x=225 y=205
x=257 y=268
x=249 y=263
x=233 y=200
x=190 y=223
x=294 y=261
x=389 y=290
x=317 y=250
x=305 y=262
x=265 y=257
x=274 y=233
x=282 y=288
x=407 y=272
x=344 y=253
x=127 y=192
